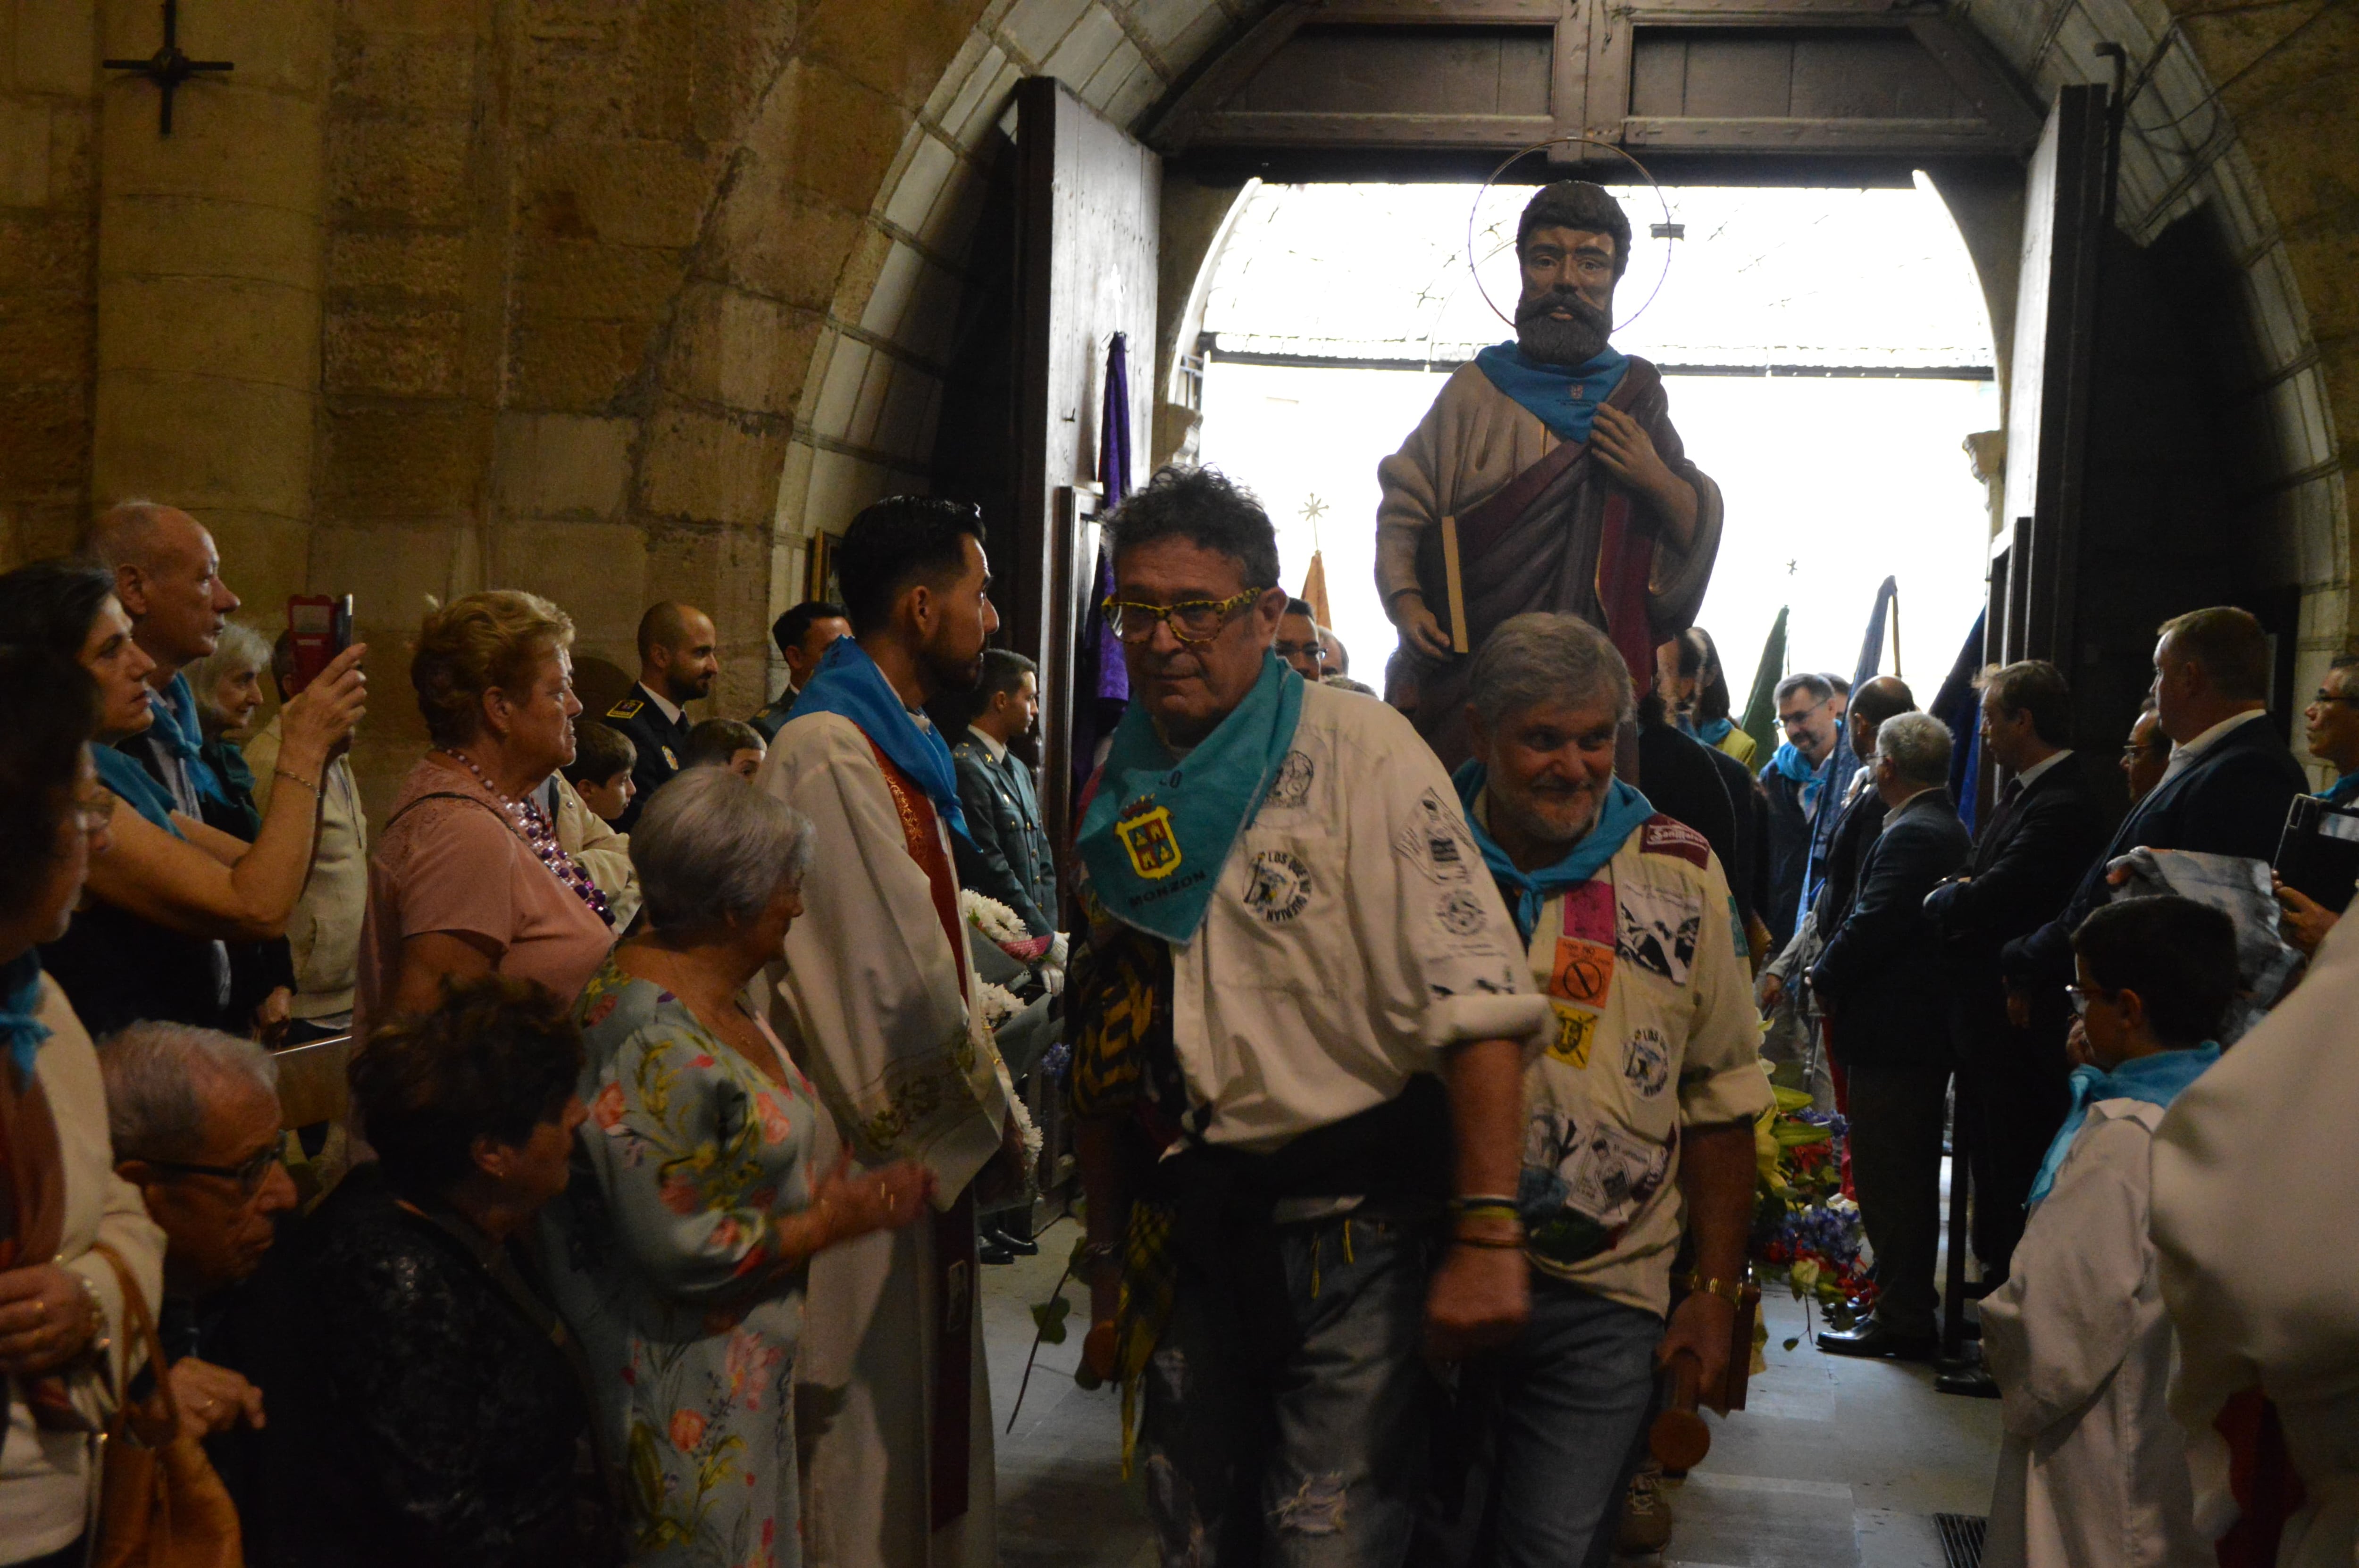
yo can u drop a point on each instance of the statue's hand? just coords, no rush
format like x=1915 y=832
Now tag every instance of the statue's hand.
x=1419 y=627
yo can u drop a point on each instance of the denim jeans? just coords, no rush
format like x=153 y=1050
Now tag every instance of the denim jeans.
x=1316 y=1460
x=1555 y=1421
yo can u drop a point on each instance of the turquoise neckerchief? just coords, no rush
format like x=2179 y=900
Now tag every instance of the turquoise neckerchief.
x=183 y=734
x=1159 y=831
x=2344 y=791
x=1565 y=400
x=1790 y=764
x=1624 y=810
x=849 y=684
x=20 y=1000
x=120 y=772
x=2156 y=1079
x=1713 y=731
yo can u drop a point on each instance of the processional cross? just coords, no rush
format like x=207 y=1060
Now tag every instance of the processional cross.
x=169 y=66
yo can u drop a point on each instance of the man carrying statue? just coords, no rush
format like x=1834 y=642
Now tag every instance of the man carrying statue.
x=1547 y=476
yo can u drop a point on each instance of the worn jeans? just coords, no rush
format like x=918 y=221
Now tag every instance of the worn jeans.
x=1317 y=1461
x=1556 y=1419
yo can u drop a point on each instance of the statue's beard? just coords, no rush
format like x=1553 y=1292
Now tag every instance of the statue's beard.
x=1571 y=342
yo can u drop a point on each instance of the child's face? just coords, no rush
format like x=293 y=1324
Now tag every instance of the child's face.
x=610 y=799
x=2101 y=1020
x=745 y=762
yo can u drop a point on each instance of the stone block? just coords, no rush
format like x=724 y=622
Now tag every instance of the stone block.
x=739 y=350
x=845 y=136
x=56 y=46
x=228 y=141
x=784 y=244
x=594 y=279
x=595 y=572
x=47 y=250
x=394 y=350
x=898 y=50
x=45 y=434
x=264 y=555
x=281 y=46
x=861 y=270
x=206 y=236
x=956 y=75
x=428 y=76
x=24 y=153
x=828 y=410
x=235 y=328
x=659 y=71
x=401 y=460
x=1085 y=50
x=932 y=163
x=702 y=467
x=555 y=465
x=389 y=569
x=202 y=441
x=960 y=106
x=39 y=527
x=632 y=194
x=1035 y=27
x=383 y=167
x=44 y=337
x=401 y=262
x=578 y=366
x=73 y=153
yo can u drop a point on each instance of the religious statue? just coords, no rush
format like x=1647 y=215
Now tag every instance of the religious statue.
x=1546 y=476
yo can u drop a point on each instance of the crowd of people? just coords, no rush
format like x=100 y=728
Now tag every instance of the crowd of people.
x=1416 y=1049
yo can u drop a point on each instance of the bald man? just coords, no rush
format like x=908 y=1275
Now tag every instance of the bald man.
x=167 y=575
x=679 y=659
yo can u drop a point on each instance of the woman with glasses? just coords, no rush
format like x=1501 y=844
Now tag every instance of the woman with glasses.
x=168 y=891
x=61 y=1318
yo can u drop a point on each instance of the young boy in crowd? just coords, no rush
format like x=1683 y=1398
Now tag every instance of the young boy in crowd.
x=2093 y=1471
x=725 y=744
x=600 y=772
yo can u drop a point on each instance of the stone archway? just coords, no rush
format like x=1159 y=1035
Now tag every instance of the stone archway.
x=862 y=425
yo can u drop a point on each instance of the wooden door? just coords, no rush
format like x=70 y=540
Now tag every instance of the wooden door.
x=1088 y=205
x=2049 y=376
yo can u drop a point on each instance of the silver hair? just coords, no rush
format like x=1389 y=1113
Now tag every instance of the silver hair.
x=159 y=1076
x=1917 y=747
x=711 y=848
x=240 y=648
x=1543 y=657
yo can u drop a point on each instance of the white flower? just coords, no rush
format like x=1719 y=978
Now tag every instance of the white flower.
x=990 y=917
x=998 y=1003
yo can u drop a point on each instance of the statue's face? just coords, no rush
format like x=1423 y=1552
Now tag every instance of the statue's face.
x=1567 y=309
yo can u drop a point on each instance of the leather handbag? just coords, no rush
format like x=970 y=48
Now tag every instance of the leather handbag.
x=160 y=1503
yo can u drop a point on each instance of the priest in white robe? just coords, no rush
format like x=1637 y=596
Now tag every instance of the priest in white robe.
x=2256 y=1220
x=873 y=998
x=2093 y=1472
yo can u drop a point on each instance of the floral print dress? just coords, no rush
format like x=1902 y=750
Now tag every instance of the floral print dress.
x=663 y=1254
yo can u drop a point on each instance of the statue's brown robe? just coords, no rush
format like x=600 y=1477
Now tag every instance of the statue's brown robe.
x=1472 y=444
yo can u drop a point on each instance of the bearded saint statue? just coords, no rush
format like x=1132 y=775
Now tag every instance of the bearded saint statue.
x=1547 y=476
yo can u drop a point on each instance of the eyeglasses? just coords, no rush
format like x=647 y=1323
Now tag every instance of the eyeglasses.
x=1793 y=720
x=1192 y=621
x=1285 y=649
x=95 y=811
x=2324 y=697
x=2135 y=749
x=249 y=1174
x=2081 y=999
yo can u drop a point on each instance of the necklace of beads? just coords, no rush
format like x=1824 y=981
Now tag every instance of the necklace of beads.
x=534 y=829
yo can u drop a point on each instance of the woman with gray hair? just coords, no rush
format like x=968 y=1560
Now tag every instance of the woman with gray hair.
x=227 y=683
x=680 y=1252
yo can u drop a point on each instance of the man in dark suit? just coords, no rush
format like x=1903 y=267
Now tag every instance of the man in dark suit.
x=803 y=636
x=2044 y=826
x=2225 y=792
x=1885 y=981
x=678 y=658
x=1009 y=856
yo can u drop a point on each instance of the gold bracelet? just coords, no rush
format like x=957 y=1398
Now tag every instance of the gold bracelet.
x=1733 y=1295
x=298 y=778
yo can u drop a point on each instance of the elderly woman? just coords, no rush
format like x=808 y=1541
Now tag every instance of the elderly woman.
x=679 y=1252
x=425 y=1405
x=59 y=1300
x=169 y=891
x=468 y=877
x=227 y=684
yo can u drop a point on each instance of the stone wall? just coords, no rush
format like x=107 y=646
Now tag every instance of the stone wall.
x=617 y=299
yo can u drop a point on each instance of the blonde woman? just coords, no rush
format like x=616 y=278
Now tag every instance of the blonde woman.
x=468 y=878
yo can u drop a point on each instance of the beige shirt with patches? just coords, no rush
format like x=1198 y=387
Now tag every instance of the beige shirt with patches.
x=1656 y=1033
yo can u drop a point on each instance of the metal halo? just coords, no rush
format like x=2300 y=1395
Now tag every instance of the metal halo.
x=1512 y=159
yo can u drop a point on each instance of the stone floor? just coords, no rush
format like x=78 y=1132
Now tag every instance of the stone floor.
x=1833 y=1464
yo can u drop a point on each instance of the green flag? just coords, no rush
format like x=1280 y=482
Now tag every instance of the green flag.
x=1761 y=707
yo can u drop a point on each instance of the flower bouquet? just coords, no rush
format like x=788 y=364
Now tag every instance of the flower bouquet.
x=1806 y=1233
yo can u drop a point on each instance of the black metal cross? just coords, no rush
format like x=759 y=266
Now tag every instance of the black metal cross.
x=169 y=66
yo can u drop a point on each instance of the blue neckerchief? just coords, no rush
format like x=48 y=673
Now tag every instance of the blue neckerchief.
x=120 y=772
x=849 y=684
x=1564 y=399
x=2343 y=791
x=1790 y=764
x=1713 y=731
x=183 y=735
x=20 y=1000
x=2156 y=1079
x=1158 y=832
x=1618 y=818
